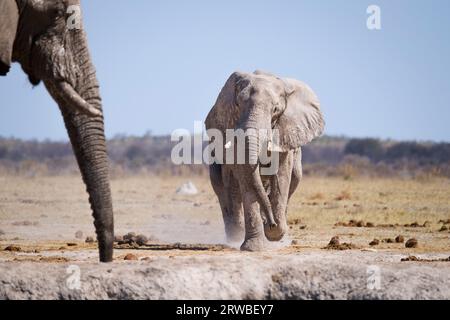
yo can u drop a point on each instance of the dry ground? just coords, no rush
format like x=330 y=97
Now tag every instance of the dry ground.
x=41 y=216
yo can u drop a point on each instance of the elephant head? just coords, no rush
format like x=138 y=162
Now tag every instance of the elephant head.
x=36 y=33
x=263 y=101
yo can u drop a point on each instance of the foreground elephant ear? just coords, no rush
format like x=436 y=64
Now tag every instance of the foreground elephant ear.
x=302 y=121
x=226 y=112
x=9 y=17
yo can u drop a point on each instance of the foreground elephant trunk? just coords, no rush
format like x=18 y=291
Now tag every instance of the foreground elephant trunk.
x=86 y=132
x=38 y=35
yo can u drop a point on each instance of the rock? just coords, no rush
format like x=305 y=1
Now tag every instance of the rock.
x=141 y=240
x=443 y=228
x=410 y=258
x=187 y=188
x=89 y=240
x=295 y=242
x=118 y=238
x=370 y=225
x=411 y=243
x=388 y=240
x=374 y=242
x=129 y=236
x=334 y=241
x=399 y=239
x=130 y=256
x=79 y=234
x=71 y=244
x=13 y=248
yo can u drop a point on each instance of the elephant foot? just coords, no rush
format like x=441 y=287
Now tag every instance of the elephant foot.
x=253 y=244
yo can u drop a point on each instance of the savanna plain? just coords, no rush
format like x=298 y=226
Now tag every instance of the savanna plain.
x=349 y=238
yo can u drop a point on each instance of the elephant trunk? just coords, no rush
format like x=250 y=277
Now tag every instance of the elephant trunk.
x=86 y=132
x=253 y=151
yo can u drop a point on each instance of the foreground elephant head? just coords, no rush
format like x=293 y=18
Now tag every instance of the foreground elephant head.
x=252 y=102
x=36 y=34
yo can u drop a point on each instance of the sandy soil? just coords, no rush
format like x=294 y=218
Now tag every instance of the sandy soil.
x=40 y=216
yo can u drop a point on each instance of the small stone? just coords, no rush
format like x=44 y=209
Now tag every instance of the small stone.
x=130 y=256
x=410 y=258
x=295 y=242
x=146 y=259
x=370 y=225
x=71 y=244
x=334 y=241
x=443 y=228
x=141 y=240
x=118 y=238
x=13 y=248
x=399 y=239
x=89 y=240
x=129 y=236
x=411 y=243
x=79 y=234
x=374 y=242
x=187 y=188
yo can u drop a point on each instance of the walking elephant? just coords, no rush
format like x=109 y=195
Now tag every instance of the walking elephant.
x=254 y=205
x=36 y=34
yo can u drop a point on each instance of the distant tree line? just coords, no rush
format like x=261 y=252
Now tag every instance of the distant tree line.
x=330 y=156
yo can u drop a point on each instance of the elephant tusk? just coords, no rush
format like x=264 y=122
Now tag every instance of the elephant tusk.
x=74 y=100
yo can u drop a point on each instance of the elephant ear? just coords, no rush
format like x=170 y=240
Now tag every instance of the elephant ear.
x=9 y=18
x=302 y=120
x=226 y=112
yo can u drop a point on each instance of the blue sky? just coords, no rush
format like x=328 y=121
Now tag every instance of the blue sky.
x=161 y=64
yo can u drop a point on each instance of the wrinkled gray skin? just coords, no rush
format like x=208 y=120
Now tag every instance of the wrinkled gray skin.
x=254 y=206
x=35 y=34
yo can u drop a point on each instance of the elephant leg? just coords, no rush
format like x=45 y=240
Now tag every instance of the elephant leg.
x=280 y=191
x=235 y=221
x=254 y=230
x=296 y=172
x=227 y=191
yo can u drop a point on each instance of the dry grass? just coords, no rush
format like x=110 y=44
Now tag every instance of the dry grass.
x=56 y=208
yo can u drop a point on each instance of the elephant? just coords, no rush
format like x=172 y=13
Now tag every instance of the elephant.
x=37 y=35
x=253 y=204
